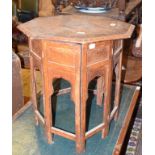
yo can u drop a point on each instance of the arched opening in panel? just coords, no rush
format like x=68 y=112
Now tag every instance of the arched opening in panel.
x=94 y=112
x=63 y=107
x=95 y=106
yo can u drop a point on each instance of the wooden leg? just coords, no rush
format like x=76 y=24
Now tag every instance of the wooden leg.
x=47 y=92
x=79 y=97
x=118 y=70
x=107 y=99
x=33 y=88
x=100 y=90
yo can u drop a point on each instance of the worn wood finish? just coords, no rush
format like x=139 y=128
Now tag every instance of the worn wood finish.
x=95 y=130
x=78 y=51
x=40 y=117
x=76 y=29
x=33 y=87
x=113 y=112
x=107 y=96
x=118 y=52
x=63 y=133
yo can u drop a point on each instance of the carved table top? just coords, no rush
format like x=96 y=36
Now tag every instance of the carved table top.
x=77 y=28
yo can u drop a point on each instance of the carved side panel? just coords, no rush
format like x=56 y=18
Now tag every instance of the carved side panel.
x=98 y=58
x=63 y=61
x=97 y=52
x=63 y=54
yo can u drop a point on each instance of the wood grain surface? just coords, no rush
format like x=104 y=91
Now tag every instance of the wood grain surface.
x=77 y=28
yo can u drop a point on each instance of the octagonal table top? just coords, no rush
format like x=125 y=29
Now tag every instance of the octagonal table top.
x=77 y=28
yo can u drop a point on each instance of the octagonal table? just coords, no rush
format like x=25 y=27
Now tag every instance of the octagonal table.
x=77 y=49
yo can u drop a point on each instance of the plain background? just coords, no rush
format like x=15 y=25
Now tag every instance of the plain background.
x=148 y=93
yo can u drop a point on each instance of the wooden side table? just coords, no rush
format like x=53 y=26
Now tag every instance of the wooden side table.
x=78 y=49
